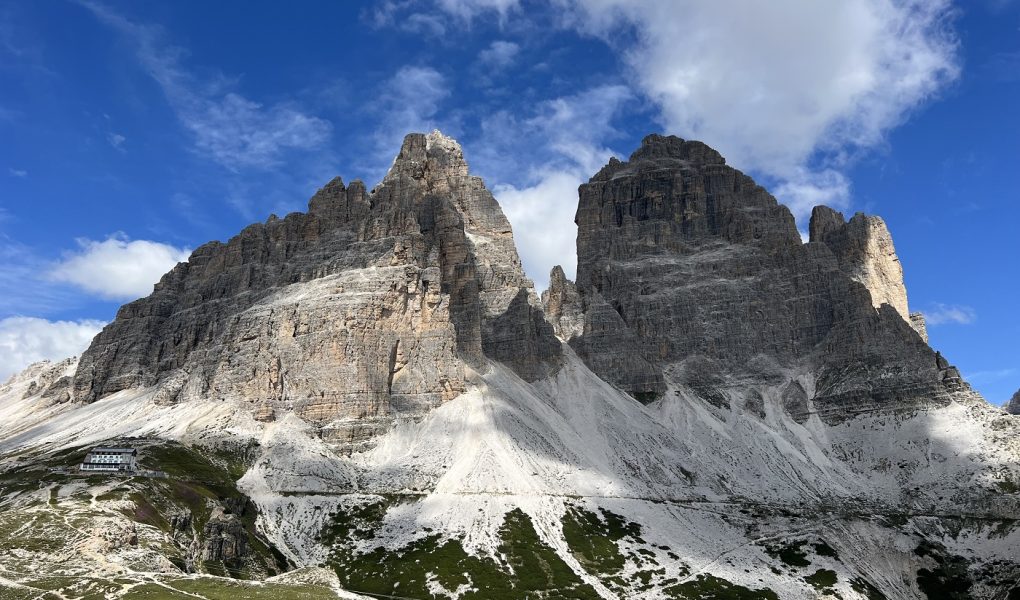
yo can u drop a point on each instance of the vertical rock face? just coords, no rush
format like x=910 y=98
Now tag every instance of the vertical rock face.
x=865 y=251
x=920 y=325
x=1013 y=406
x=563 y=305
x=691 y=275
x=369 y=306
x=223 y=538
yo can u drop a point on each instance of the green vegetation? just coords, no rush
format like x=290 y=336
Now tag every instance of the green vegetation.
x=236 y=459
x=526 y=567
x=594 y=540
x=949 y=579
x=822 y=579
x=196 y=484
x=824 y=549
x=791 y=554
x=214 y=588
x=708 y=587
x=865 y=587
x=219 y=589
x=1008 y=486
x=30 y=532
x=18 y=593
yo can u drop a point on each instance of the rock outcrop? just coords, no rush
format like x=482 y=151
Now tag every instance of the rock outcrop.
x=864 y=248
x=1013 y=406
x=51 y=379
x=920 y=325
x=692 y=277
x=370 y=306
x=563 y=305
x=223 y=538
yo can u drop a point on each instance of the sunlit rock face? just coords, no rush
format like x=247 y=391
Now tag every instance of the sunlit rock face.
x=369 y=306
x=693 y=276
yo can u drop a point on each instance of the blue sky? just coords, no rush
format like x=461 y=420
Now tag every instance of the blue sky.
x=133 y=132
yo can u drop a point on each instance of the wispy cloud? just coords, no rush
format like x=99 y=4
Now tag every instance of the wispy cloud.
x=941 y=314
x=116 y=140
x=1004 y=66
x=469 y=9
x=17 y=173
x=992 y=375
x=233 y=130
x=409 y=101
x=117 y=268
x=424 y=24
x=499 y=55
x=24 y=287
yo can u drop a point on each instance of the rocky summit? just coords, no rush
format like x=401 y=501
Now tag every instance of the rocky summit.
x=693 y=280
x=367 y=308
x=369 y=399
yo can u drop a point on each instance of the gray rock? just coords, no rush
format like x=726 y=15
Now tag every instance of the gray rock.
x=223 y=538
x=562 y=305
x=865 y=251
x=370 y=306
x=1013 y=406
x=920 y=325
x=682 y=258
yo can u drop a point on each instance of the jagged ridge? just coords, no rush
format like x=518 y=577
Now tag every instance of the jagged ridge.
x=691 y=276
x=409 y=301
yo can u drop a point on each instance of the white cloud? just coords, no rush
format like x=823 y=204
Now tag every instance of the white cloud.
x=407 y=102
x=469 y=9
x=118 y=268
x=542 y=216
x=805 y=189
x=942 y=314
x=17 y=173
x=115 y=140
x=779 y=86
x=233 y=130
x=413 y=93
x=424 y=24
x=566 y=137
x=499 y=55
x=25 y=340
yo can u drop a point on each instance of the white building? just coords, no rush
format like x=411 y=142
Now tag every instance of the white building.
x=110 y=459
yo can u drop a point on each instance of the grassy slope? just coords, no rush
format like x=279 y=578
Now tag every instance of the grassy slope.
x=49 y=522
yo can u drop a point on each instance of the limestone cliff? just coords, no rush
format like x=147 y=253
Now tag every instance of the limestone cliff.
x=1013 y=406
x=563 y=305
x=694 y=278
x=370 y=306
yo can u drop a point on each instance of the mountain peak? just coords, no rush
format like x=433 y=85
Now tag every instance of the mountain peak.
x=662 y=152
x=656 y=146
x=429 y=155
x=382 y=370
